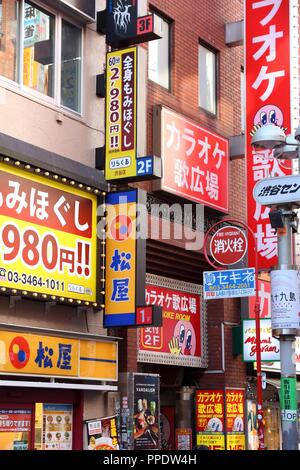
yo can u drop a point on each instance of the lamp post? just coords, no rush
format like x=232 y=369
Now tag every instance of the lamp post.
x=283 y=219
x=260 y=424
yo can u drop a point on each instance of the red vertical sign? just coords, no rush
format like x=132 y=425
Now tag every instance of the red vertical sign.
x=267 y=101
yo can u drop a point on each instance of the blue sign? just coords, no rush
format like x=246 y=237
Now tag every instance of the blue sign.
x=229 y=283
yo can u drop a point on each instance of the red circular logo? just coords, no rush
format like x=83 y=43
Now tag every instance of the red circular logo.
x=19 y=352
x=228 y=245
x=121 y=228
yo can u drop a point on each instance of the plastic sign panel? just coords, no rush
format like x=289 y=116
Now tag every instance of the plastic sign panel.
x=268 y=98
x=210 y=419
x=285 y=308
x=121 y=114
x=264 y=294
x=235 y=419
x=228 y=245
x=57 y=356
x=195 y=160
x=229 y=283
x=276 y=191
x=124 y=27
x=269 y=346
x=48 y=237
x=180 y=340
x=125 y=259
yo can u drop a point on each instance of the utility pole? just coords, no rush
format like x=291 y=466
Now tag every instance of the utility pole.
x=284 y=286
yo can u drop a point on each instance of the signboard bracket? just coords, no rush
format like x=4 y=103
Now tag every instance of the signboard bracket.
x=100 y=158
x=101 y=21
x=100 y=85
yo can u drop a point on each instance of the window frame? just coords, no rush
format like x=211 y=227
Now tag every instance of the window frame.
x=170 y=22
x=38 y=96
x=216 y=53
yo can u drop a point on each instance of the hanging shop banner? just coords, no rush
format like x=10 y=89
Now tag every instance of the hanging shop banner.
x=57 y=427
x=269 y=346
x=228 y=245
x=285 y=306
x=264 y=293
x=195 y=160
x=229 y=283
x=48 y=237
x=125 y=258
x=235 y=419
x=210 y=419
x=121 y=114
x=102 y=434
x=146 y=412
x=124 y=27
x=268 y=98
x=15 y=420
x=167 y=426
x=275 y=366
x=57 y=356
x=181 y=339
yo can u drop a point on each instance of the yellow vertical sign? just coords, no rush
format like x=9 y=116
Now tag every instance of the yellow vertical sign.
x=121 y=114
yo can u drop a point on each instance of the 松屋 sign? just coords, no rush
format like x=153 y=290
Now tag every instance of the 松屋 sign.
x=47 y=236
x=268 y=97
x=195 y=160
x=269 y=346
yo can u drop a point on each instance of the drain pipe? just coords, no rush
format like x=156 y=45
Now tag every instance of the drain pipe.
x=222 y=371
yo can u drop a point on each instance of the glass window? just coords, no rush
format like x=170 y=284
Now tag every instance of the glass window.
x=159 y=56
x=71 y=60
x=9 y=39
x=38 y=53
x=207 y=79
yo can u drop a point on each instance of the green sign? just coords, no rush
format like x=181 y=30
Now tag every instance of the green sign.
x=288 y=399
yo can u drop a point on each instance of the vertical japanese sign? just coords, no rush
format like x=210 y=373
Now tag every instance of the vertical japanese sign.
x=57 y=427
x=264 y=293
x=102 y=434
x=268 y=95
x=285 y=305
x=121 y=114
x=195 y=160
x=180 y=340
x=235 y=419
x=288 y=399
x=125 y=259
x=146 y=411
x=48 y=237
x=210 y=419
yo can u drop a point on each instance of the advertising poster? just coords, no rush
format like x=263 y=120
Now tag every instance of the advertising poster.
x=48 y=237
x=167 y=427
x=268 y=101
x=180 y=341
x=235 y=419
x=252 y=437
x=102 y=434
x=285 y=305
x=212 y=441
x=146 y=412
x=15 y=429
x=57 y=427
x=195 y=161
x=184 y=439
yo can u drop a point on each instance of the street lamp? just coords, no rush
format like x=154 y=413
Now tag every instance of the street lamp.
x=283 y=220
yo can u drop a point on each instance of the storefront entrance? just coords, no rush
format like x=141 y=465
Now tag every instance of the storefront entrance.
x=38 y=419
